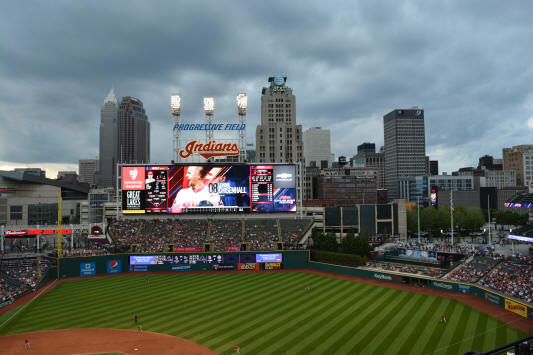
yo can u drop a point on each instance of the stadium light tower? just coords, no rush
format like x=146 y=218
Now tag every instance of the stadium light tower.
x=175 y=106
x=209 y=109
x=242 y=102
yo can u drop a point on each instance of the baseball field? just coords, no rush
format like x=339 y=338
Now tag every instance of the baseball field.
x=267 y=313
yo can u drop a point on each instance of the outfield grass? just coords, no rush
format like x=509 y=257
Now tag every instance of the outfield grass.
x=268 y=313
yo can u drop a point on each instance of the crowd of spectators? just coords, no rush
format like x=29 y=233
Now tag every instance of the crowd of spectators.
x=225 y=234
x=292 y=230
x=19 y=276
x=262 y=234
x=473 y=269
x=513 y=277
x=158 y=235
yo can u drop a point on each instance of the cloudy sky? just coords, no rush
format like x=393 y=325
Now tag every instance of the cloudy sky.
x=468 y=64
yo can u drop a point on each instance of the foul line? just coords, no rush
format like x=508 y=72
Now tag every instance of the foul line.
x=27 y=303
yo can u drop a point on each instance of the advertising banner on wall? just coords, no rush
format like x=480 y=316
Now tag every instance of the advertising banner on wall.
x=272 y=266
x=269 y=258
x=516 y=307
x=417 y=254
x=248 y=266
x=87 y=269
x=113 y=266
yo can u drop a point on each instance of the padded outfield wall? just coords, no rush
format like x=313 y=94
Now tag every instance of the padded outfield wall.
x=511 y=305
x=297 y=259
x=186 y=261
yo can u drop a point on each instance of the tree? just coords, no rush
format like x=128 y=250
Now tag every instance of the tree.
x=412 y=220
x=349 y=243
x=474 y=219
x=362 y=246
x=330 y=243
x=427 y=218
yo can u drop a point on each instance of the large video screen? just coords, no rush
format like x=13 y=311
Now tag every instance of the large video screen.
x=185 y=189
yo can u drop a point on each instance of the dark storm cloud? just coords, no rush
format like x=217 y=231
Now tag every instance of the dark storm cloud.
x=467 y=64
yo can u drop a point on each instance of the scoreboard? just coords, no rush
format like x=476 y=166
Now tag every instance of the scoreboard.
x=184 y=189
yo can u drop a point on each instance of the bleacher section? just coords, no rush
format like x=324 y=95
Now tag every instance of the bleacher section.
x=472 y=270
x=164 y=235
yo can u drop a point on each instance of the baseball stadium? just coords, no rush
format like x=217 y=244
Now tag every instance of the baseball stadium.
x=245 y=268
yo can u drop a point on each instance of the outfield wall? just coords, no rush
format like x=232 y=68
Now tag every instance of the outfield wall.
x=188 y=261
x=519 y=308
x=297 y=259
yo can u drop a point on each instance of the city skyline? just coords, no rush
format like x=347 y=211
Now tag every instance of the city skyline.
x=466 y=65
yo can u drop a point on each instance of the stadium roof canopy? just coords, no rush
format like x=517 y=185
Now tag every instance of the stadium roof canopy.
x=524 y=201
x=28 y=177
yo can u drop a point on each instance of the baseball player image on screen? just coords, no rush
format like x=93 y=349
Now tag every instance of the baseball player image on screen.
x=197 y=194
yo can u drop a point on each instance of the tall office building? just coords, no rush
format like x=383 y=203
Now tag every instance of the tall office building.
x=108 y=141
x=133 y=132
x=278 y=138
x=317 y=147
x=366 y=148
x=87 y=168
x=515 y=158
x=405 y=147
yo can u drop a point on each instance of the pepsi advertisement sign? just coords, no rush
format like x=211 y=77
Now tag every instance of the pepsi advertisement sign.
x=268 y=258
x=87 y=269
x=143 y=260
x=114 y=266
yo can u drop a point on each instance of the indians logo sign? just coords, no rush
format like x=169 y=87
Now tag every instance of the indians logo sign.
x=209 y=150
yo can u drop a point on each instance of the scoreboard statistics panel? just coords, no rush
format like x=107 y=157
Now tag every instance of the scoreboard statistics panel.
x=183 y=189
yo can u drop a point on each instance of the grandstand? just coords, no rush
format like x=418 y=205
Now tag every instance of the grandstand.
x=152 y=235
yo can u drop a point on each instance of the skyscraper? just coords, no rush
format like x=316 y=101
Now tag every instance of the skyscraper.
x=278 y=138
x=133 y=132
x=108 y=141
x=87 y=168
x=317 y=147
x=405 y=147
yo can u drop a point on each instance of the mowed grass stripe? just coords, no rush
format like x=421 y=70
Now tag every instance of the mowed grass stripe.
x=203 y=305
x=223 y=308
x=501 y=336
x=275 y=326
x=455 y=343
x=277 y=307
x=222 y=311
x=378 y=324
x=278 y=319
x=435 y=329
x=170 y=302
x=360 y=321
x=420 y=325
x=397 y=324
x=479 y=334
x=62 y=312
x=295 y=330
x=356 y=308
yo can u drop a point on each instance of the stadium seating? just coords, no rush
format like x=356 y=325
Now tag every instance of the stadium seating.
x=472 y=270
x=514 y=278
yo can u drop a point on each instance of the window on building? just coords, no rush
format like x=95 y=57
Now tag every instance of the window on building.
x=15 y=212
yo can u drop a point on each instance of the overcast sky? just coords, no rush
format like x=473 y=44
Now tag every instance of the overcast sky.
x=468 y=64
